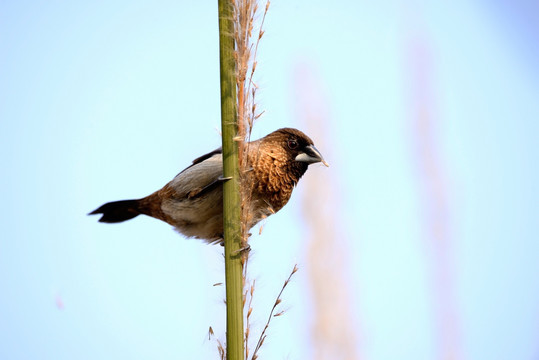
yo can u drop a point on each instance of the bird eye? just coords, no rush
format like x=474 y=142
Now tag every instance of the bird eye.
x=292 y=144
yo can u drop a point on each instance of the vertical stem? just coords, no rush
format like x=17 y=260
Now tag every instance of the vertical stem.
x=231 y=188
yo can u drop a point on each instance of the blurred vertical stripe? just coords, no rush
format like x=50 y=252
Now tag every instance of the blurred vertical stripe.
x=334 y=333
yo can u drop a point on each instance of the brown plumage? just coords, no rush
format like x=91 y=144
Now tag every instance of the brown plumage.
x=193 y=201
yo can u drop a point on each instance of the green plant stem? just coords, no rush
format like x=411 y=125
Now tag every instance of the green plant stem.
x=231 y=188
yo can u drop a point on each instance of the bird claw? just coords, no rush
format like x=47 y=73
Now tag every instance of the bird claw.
x=240 y=250
x=246 y=248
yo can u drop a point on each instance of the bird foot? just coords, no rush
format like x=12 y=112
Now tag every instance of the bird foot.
x=246 y=248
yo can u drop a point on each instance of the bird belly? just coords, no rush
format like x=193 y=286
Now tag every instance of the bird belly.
x=199 y=217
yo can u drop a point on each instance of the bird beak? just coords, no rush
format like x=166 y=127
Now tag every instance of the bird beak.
x=311 y=155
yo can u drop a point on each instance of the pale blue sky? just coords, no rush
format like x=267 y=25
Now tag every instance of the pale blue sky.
x=109 y=100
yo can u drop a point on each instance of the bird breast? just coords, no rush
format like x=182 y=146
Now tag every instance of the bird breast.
x=273 y=179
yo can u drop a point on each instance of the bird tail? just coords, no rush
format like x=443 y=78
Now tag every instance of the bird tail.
x=118 y=211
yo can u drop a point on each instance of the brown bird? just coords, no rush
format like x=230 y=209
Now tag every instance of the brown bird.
x=193 y=201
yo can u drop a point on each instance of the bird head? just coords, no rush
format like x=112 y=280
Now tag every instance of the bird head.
x=297 y=146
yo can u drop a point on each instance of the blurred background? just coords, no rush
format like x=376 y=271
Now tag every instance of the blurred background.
x=419 y=242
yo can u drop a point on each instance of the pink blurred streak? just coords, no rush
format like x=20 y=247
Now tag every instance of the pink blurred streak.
x=334 y=331
x=433 y=191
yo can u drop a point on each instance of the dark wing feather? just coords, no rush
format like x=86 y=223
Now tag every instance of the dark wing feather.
x=200 y=159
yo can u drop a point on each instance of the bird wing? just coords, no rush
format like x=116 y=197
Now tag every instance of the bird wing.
x=206 y=156
x=203 y=175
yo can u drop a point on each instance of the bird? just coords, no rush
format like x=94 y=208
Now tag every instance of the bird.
x=193 y=201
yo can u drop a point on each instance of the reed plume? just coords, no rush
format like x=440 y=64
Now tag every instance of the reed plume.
x=238 y=113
